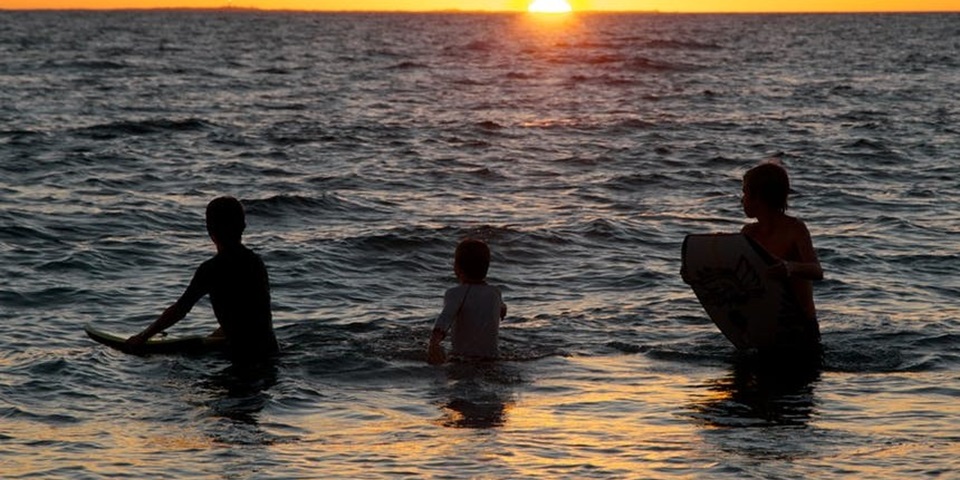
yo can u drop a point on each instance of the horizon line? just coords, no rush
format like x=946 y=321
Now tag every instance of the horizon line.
x=230 y=8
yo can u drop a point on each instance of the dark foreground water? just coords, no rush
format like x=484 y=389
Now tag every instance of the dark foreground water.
x=583 y=150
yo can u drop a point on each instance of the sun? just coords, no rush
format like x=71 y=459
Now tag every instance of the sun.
x=549 y=6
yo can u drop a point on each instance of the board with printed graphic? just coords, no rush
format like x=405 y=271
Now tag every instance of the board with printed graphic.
x=727 y=272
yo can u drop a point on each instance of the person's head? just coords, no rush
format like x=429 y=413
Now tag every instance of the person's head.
x=225 y=220
x=766 y=185
x=472 y=260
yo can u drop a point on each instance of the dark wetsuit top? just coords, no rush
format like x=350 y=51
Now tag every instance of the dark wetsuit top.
x=239 y=290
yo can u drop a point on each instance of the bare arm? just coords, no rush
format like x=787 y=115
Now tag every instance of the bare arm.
x=807 y=265
x=803 y=270
x=435 y=353
x=174 y=313
x=452 y=299
x=167 y=319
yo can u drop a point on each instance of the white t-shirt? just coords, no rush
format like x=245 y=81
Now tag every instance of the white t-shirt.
x=471 y=312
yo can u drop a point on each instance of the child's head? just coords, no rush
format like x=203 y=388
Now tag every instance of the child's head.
x=225 y=220
x=472 y=259
x=768 y=184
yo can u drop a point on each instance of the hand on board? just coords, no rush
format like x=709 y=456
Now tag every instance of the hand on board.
x=137 y=340
x=780 y=271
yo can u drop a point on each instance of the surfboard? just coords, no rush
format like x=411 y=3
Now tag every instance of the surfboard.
x=184 y=344
x=727 y=272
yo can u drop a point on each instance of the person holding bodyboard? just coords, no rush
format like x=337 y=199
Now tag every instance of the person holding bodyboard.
x=757 y=286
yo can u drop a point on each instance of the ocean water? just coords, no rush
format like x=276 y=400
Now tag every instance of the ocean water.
x=584 y=149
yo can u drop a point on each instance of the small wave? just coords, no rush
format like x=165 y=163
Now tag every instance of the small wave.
x=478 y=46
x=603 y=59
x=682 y=45
x=407 y=238
x=604 y=79
x=637 y=181
x=83 y=261
x=51 y=297
x=600 y=227
x=19 y=133
x=469 y=82
x=20 y=234
x=864 y=115
x=882 y=346
x=489 y=125
x=130 y=182
x=372 y=347
x=273 y=71
x=16 y=413
x=868 y=144
x=627 y=347
x=941 y=340
x=843 y=90
x=550 y=123
x=643 y=64
x=518 y=76
x=94 y=65
x=713 y=352
x=487 y=174
x=862 y=359
x=290 y=133
x=408 y=65
x=137 y=128
x=282 y=205
x=920 y=62
x=290 y=106
x=334 y=182
x=633 y=124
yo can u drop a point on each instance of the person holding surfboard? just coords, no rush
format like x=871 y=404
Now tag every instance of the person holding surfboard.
x=239 y=288
x=765 y=190
x=472 y=310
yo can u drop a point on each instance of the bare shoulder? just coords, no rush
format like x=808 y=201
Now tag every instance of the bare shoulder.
x=797 y=226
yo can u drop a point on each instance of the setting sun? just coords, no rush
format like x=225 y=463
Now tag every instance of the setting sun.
x=549 y=6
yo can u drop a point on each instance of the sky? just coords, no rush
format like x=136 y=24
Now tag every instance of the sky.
x=510 y=5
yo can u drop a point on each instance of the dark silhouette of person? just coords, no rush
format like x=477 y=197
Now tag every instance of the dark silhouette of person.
x=239 y=288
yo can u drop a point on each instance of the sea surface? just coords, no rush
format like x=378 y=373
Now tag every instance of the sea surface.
x=582 y=148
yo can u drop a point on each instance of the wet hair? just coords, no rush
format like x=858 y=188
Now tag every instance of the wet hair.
x=225 y=219
x=472 y=258
x=768 y=182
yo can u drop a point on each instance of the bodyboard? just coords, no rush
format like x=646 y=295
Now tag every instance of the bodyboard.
x=174 y=345
x=727 y=272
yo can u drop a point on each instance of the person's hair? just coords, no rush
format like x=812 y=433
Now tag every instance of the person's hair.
x=225 y=219
x=472 y=258
x=769 y=183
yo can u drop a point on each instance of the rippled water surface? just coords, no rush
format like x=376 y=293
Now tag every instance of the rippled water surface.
x=582 y=149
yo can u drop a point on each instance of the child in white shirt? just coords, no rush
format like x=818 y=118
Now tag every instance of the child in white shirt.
x=471 y=311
